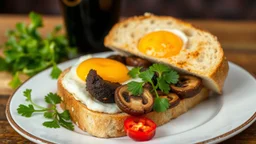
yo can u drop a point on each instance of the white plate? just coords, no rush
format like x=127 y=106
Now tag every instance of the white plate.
x=212 y=121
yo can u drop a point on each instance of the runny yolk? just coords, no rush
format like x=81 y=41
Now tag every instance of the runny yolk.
x=108 y=69
x=161 y=44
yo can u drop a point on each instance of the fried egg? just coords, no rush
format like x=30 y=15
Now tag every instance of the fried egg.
x=108 y=69
x=75 y=80
x=163 y=43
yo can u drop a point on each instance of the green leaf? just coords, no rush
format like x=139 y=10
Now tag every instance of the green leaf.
x=55 y=72
x=32 y=46
x=27 y=52
x=20 y=63
x=27 y=94
x=159 y=68
x=72 y=52
x=3 y=64
x=136 y=88
x=67 y=125
x=161 y=104
x=10 y=33
x=147 y=75
x=49 y=115
x=26 y=111
x=52 y=124
x=57 y=28
x=36 y=19
x=163 y=86
x=65 y=115
x=12 y=54
x=134 y=72
x=52 y=98
x=171 y=77
x=21 y=27
x=15 y=82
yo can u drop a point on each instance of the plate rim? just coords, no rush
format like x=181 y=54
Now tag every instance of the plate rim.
x=27 y=135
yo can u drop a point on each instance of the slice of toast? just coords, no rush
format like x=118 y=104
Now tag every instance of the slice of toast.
x=202 y=55
x=111 y=125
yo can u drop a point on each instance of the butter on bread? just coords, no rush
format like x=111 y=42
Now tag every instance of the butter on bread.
x=202 y=56
x=111 y=125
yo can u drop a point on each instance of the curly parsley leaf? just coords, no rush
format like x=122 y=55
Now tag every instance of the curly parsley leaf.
x=164 y=77
x=4 y=64
x=171 y=77
x=65 y=115
x=36 y=19
x=55 y=72
x=163 y=86
x=26 y=111
x=52 y=98
x=159 y=68
x=67 y=125
x=147 y=75
x=57 y=28
x=50 y=112
x=161 y=104
x=134 y=72
x=48 y=115
x=52 y=124
x=27 y=52
x=15 y=82
x=136 y=88
x=27 y=94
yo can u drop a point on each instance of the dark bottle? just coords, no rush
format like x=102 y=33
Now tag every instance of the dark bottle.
x=87 y=22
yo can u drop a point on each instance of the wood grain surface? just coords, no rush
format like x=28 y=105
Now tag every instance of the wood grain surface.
x=238 y=39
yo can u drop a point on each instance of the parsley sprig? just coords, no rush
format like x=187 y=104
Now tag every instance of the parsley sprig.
x=164 y=77
x=26 y=51
x=50 y=112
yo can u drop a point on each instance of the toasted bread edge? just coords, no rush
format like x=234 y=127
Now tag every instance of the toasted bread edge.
x=111 y=125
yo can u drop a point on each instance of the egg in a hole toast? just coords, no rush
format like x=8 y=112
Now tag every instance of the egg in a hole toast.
x=142 y=42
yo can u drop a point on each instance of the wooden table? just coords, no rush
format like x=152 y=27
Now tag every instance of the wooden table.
x=238 y=39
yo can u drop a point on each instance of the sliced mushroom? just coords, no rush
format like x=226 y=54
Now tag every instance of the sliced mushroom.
x=133 y=105
x=100 y=89
x=117 y=58
x=137 y=62
x=173 y=99
x=187 y=86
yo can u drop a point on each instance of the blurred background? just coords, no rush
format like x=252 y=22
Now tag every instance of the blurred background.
x=194 y=9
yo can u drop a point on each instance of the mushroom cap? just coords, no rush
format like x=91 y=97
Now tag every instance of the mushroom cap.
x=187 y=86
x=133 y=105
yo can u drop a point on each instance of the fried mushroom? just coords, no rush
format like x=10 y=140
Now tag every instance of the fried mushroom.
x=100 y=89
x=133 y=105
x=187 y=86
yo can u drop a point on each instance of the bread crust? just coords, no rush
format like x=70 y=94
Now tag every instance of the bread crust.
x=213 y=79
x=111 y=125
x=219 y=75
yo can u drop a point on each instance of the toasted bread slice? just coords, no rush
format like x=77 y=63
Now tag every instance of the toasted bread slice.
x=111 y=125
x=202 y=55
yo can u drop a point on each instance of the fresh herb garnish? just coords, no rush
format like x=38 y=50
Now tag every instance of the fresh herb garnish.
x=50 y=112
x=26 y=51
x=164 y=77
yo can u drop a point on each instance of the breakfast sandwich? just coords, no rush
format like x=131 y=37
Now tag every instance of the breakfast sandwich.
x=162 y=68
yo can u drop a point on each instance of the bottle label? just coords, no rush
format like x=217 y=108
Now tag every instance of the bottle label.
x=71 y=3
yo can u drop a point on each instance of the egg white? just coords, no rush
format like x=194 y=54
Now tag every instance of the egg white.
x=74 y=85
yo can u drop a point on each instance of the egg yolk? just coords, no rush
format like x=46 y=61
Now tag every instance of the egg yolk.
x=161 y=44
x=108 y=69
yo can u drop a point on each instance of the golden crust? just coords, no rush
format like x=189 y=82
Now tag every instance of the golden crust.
x=220 y=74
x=111 y=125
